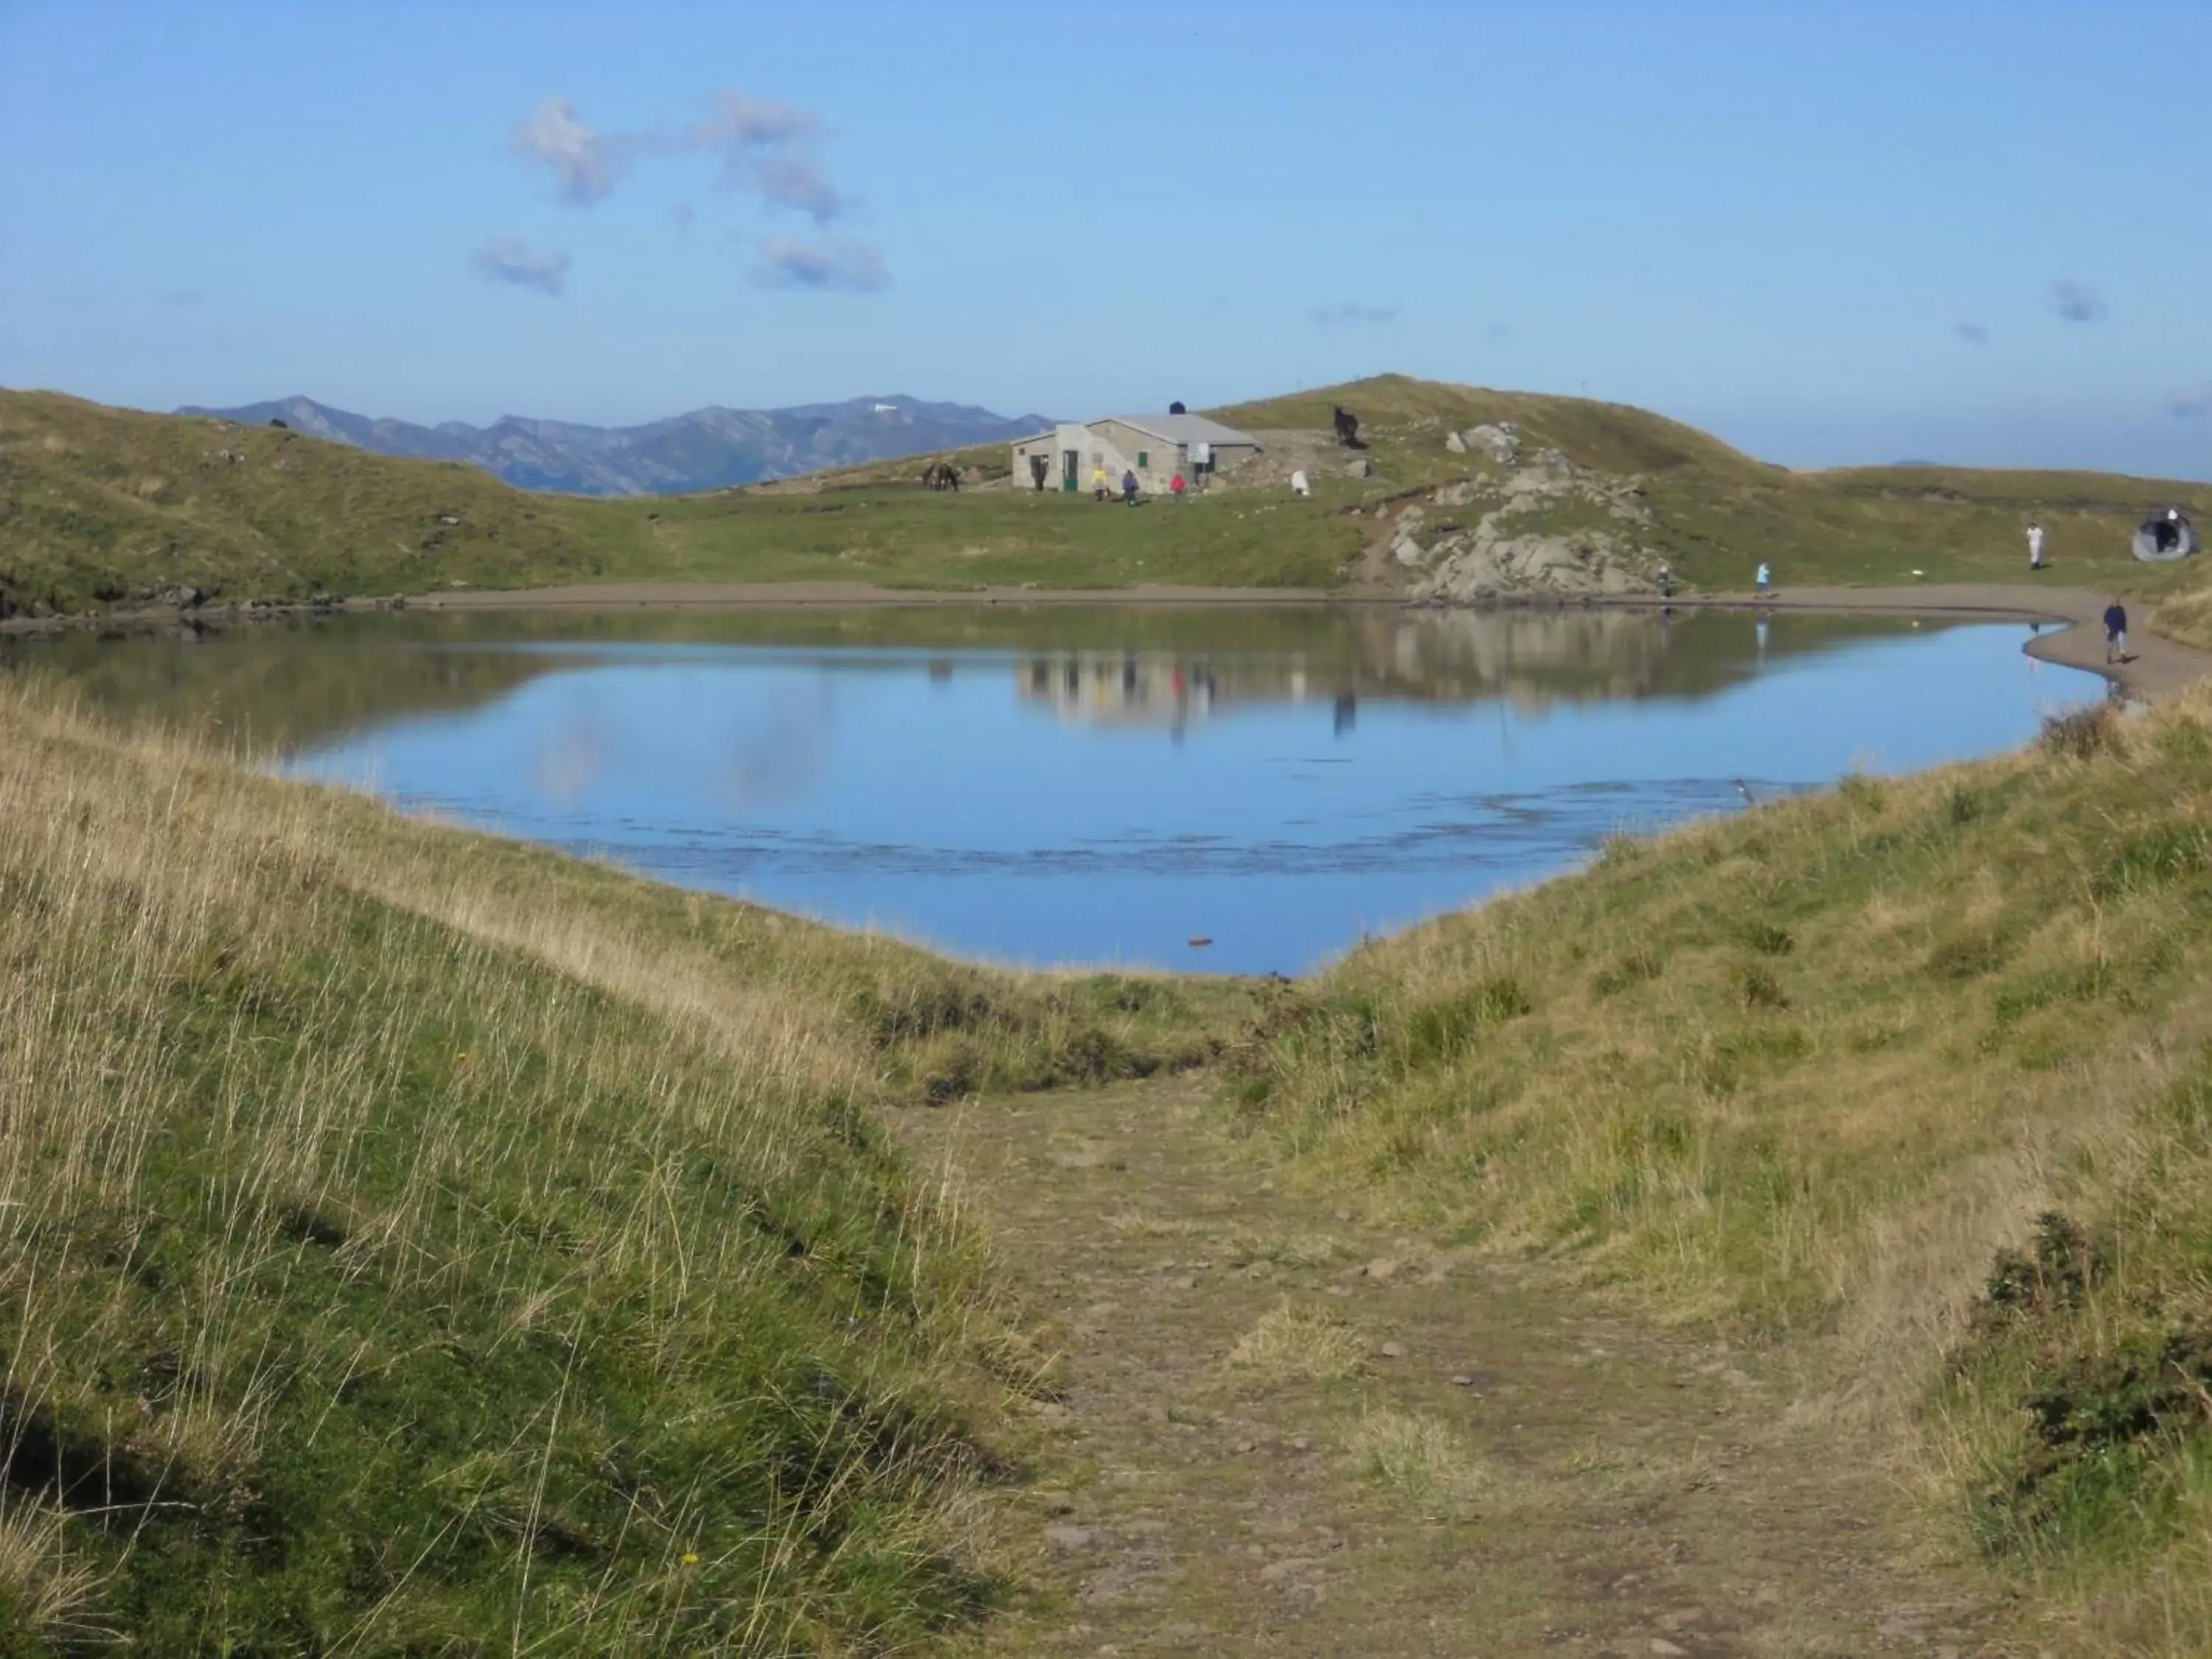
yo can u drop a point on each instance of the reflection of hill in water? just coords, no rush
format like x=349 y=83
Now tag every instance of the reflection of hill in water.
x=292 y=684
x=281 y=686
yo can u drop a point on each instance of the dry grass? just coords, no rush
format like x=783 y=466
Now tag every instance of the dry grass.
x=1806 y=1072
x=47 y=1587
x=1423 y=1464
x=1295 y=1344
x=466 y=1246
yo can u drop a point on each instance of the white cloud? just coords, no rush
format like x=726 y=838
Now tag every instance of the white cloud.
x=510 y=259
x=585 y=163
x=2077 y=302
x=831 y=263
x=765 y=148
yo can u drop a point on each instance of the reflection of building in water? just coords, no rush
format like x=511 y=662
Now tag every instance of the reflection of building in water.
x=1123 y=688
x=1528 y=657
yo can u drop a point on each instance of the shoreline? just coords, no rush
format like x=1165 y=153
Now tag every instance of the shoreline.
x=2156 y=666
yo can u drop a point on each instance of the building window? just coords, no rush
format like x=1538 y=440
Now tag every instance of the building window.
x=1144 y=459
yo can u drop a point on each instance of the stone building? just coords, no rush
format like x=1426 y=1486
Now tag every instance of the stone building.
x=1153 y=446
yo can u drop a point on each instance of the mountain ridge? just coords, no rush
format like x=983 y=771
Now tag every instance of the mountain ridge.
x=711 y=447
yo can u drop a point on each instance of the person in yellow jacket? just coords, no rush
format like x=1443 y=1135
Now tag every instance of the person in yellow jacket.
x=1098 y=483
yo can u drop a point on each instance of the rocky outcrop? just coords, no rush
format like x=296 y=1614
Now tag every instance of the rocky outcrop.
x=1544 y=529
x=1500 y=443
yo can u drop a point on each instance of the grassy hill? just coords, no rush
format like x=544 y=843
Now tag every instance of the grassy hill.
x=102 y=507
x=1911 y=1079
x=109 y=506
x=415 y=1242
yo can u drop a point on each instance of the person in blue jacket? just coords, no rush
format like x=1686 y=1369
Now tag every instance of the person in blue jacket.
x=1129 y=486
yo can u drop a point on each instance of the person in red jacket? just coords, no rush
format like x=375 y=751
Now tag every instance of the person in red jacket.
x=1175 y=486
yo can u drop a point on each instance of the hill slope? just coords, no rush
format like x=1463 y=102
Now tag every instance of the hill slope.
x=108 y=506
x=1913 y=1079
x=707 y=448
x=413 y=1243
x=102 y=506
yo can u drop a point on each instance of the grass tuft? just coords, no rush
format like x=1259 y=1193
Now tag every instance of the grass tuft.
x=1295 y=1344
x=2081 y=733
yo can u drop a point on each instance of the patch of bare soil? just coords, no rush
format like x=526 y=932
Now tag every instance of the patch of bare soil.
x=1279 y=1431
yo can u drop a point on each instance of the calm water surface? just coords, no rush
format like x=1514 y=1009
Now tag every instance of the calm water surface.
x=1104 y=786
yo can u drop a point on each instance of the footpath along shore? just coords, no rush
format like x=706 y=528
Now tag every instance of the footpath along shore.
x=2155 y=667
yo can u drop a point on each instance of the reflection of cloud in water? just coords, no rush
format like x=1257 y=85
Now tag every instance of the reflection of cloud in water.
x=569 y=761
x=776 y=746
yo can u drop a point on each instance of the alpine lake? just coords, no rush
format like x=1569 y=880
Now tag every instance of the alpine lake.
x=1244 y=789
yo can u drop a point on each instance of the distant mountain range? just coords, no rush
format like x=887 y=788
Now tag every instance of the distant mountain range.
x=706 y=449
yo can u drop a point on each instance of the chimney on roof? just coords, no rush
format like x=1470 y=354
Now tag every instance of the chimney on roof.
x=1177 y=408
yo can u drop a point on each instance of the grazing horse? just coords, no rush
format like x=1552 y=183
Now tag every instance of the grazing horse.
x=941 y=475
x=1347 y=426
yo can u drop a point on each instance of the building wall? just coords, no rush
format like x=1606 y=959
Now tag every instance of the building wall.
x=1067 y=436
x=1115 y=445
x=1162 y=459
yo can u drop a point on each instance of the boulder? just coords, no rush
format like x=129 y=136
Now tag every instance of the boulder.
x=1501 y=443
x=1409 y=552
x=1362 y=468
x=1455 y=443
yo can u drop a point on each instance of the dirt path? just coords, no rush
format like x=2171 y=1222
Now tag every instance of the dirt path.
x=1497 y=1467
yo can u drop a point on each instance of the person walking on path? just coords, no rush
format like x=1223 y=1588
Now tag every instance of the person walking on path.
x=1763 y=581
x=1175 y=486
x=2035 y=547
x=2116 y=631
x=1129 y=487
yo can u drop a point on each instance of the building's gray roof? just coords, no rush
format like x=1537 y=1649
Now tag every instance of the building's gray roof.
x=1183 y=428
x=1169 y=428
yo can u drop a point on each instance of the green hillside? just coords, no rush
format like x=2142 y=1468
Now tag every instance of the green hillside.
x=412 y=1242
x=107 y=509
x=103 y=507
x=1910 y=1080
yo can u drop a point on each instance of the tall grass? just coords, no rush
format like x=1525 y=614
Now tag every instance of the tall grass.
x=411 y=1242
x=1807 y=1071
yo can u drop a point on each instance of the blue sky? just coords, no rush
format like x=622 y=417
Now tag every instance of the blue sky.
x=1830 y=233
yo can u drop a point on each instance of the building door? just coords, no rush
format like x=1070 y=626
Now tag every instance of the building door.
x=1068 y=480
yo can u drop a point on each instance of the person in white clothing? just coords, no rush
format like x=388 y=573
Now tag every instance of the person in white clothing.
x=2035 y=547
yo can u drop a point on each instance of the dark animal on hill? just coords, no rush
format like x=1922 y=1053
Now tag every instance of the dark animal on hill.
x=941 y=475
x=280 y=425
x=1347 y=427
